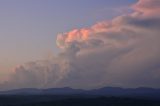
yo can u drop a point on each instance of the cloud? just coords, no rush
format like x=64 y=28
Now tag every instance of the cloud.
x=147 y=8
x=121 y=52
x=43 y=73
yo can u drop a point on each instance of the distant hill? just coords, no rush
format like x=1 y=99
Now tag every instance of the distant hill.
x=50 y=91
x=142 y=92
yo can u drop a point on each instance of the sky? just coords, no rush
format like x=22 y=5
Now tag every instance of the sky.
x=28 y=28
x=79 y=44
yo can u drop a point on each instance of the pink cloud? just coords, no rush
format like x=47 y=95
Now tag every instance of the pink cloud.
x=148 y=8
x=121 y=52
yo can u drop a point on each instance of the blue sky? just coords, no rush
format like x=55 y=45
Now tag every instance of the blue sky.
x=28 y=28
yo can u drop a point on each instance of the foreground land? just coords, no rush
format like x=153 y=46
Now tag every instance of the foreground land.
x=76 y=100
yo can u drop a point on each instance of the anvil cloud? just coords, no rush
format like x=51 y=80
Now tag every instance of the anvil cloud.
x=121 y=52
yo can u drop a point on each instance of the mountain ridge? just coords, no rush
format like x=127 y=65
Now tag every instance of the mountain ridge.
x=140 y=92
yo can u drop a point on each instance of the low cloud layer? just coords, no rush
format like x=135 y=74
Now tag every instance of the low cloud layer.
x=122 y=52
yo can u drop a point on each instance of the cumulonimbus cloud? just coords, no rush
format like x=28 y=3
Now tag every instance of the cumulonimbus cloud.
x=121 y=52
